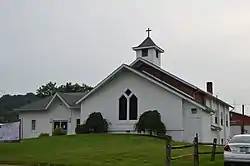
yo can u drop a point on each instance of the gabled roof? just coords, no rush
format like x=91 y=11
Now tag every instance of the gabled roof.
x=141 y=60
x=69 y=99
x=36 y=105
x=148 y=43
x=161 y=84
x=72 y=98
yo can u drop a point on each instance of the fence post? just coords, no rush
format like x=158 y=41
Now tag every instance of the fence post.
x=213 y=149
x=168 y=152
x=196 y=151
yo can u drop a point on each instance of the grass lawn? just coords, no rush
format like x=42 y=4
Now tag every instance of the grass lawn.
x=98 y=150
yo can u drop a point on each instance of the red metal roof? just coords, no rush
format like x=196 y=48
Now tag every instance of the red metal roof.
x=237 y=119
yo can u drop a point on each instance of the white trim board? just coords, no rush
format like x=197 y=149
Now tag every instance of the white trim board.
x=56 y=94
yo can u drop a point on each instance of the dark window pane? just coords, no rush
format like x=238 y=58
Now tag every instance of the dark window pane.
x=33 y=125
x=157 y=54
x=56 y=125
x=64 y=125
x=194 y=110
x=123 y=108
x=133 y=108
x=77 y=122
x=144 y=52
x=128 y=92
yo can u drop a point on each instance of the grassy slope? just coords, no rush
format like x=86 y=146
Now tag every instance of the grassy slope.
x=97 y=150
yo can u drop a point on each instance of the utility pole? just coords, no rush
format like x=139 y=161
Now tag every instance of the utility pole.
x=243 y=120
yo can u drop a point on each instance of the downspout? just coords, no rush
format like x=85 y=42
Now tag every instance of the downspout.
x=225 y=133
x=229 y=121
x=194 y=96
x=71 y=126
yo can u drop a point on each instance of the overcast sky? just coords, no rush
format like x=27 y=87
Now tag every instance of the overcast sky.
x=83 y=41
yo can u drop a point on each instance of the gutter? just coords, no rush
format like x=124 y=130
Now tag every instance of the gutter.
x=26 y=110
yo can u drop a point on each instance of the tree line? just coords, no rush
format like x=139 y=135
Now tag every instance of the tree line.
x=10 y=102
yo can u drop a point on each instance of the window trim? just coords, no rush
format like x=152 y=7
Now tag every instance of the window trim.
x=144 y=54
x=120 y=117
x=194 y=111
x=157 y=54
x=226 y=119
x=132 y=107
x=77 y=121
x=33 y=130
x=128 y=106
x=216 y=120
x=222 y=118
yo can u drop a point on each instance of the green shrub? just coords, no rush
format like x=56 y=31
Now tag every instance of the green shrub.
x=82 y=129
x=94 y=124
x=44 y=135
x=58 y=131
x=150 y=122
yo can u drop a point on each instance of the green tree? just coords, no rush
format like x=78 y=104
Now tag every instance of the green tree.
x=51 y=88
x=46 y=90
x=69 y=87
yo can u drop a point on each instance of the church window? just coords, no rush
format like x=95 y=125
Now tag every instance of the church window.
x=194 y=110
x=128 y=92
x=133 y=107
x=221 y=118
x=216 y=120
x=144 y=52
x=33 y=125
x=123 y=108
x=128 y=106
x=157 y=54
x=78 y=122
x=226 y=119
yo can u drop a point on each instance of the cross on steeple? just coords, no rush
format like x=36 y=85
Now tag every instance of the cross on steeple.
x=148 y=31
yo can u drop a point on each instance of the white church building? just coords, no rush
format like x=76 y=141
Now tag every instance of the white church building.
x=129 y=91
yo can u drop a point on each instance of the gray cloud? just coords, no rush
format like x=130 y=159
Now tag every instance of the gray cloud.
x=83 y=41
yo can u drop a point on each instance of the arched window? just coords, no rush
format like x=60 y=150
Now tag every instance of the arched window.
x=122 y=108
x=133 y=108
x=128 y=105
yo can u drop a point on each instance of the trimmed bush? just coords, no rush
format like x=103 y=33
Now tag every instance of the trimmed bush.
x=44 y=135
x=58 y=131
x=82 y=129
x=94 y=124
x=150 y=122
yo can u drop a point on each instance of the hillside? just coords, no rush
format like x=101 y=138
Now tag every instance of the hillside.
x=97 y=150
x=10 y=102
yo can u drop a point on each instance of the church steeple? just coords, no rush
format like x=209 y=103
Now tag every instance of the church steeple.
x=149 y=51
